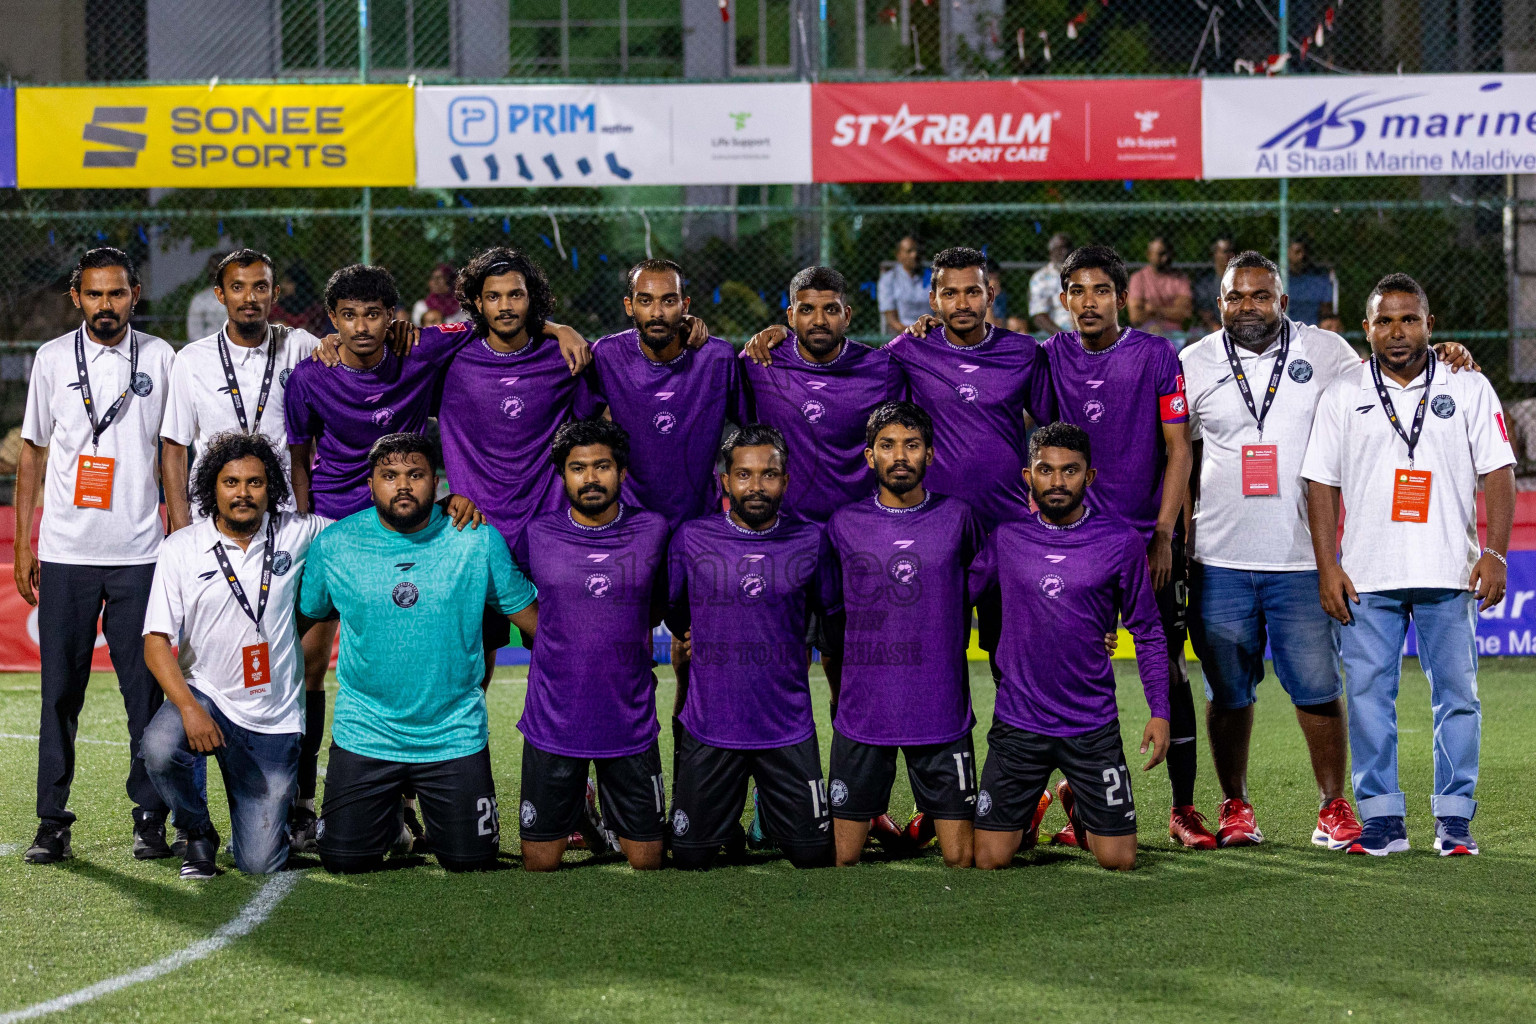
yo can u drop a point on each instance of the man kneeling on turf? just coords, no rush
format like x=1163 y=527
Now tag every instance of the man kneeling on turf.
x=411 y=593
x=224 y=590
x=1065 y=573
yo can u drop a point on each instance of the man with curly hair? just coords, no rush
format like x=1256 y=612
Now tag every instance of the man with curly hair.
x=224 y=592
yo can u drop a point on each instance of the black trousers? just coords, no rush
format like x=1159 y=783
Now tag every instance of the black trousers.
x=70 y=597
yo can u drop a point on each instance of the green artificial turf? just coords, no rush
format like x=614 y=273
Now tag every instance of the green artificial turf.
x=1284 y=932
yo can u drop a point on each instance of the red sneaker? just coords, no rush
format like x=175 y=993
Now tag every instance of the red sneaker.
x=920 y=831
x=888 y=834
x=1065 y=837
x=1337 y=826
x=1235 y=825
x=1069 y=804
x=1186 y=826
x=1032 y=834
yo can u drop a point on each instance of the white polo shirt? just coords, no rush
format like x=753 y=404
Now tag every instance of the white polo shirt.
x=1354 y=447
x=191 y=603
x=1257 y=533
x=199 y=405
x=128 y=533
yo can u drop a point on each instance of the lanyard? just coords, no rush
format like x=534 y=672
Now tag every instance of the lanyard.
x=234 y=385
x=266 y=573
x=1238 y=375
x=99 y=427
x=1411 y=439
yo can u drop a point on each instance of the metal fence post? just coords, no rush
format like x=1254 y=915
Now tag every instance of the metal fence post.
x=366 y=205
x=1283 y=257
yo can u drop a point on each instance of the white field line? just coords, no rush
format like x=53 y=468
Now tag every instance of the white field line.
x=252 y=914
x=6 y=849
x=78 y=739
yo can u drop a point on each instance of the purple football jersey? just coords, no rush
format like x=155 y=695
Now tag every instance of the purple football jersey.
x=591 y=691
x=1122 y=396
x=746 y=595
x=344 y=411
x=903 y=572
x=822 y=409
x=498 y=414
x=675 y=413
x=977 y=396
x=1063 y=588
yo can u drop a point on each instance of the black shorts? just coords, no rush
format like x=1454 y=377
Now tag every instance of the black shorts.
x=710 y=789
x=495 y=629
x=943 y=777
x=816 y=631
x=360 y=818
x=1019 y=764
x=631 y=791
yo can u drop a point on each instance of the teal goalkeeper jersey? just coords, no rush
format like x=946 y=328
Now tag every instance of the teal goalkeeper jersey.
x=410 y=605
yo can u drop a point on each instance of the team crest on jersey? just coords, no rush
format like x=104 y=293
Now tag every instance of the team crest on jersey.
x=813 y=411
x=983 y=802
x=1443 y=406
x=599 y=584
x=142 y=384
x=839 y=791
x=381 y=417
x=405 y=594
x=1053 y=585
x=512 y=407
x=664 y=422
x=904 y=571
x=753 y=586
x=283 y=375
x=679 y=822
x=969 y=392
x=454 y=326
x=1093 y=409
x=1300 y=371
x=281 y=563
x=527 y=814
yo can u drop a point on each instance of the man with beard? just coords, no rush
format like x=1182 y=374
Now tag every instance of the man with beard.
x=902 y=555
x=1123 y=387
x=93 y=415
x=741 y=585
x=1410 y=552
x=224 y=593
x=1253 y=392
x=1065 y=575
x=600 y=568
x=410 y=592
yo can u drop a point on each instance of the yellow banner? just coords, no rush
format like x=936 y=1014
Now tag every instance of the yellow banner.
x=230 y=136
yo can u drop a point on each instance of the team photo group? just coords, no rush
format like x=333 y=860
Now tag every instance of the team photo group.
x=430 y=495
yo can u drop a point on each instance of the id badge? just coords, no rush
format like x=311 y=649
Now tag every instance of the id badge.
x=1261 y=469
x=258 y=673
x=1410 y=496
x=93 y=481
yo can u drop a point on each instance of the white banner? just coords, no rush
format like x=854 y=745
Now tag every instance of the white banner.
x=1320 y=126
x=544 y=135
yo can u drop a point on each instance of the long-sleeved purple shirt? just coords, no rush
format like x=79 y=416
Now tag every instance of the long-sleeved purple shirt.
x=822 y=410
x=746 y=595
x=1063 y=588
x=977 y=396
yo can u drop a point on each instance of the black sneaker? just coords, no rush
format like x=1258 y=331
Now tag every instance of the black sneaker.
x=179 y=844
x=418 y=835
x=202 y=848
x=51 y=844
x=302 y=825
x=149 y=836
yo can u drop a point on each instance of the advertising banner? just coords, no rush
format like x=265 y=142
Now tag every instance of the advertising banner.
x=230 y=136
x=1006 y=130
x=1319 y=126
x=7 y=138
x=557 y=135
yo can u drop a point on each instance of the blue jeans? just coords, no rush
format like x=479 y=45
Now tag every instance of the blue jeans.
x=1233 y=609
x=261 y=779
x=1446 y=622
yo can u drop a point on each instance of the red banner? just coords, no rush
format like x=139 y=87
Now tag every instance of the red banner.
x=1006 y=130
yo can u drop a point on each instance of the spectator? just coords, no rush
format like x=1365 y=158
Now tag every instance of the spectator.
x=1160 y=296
x=1314 y=290
x=1047 y=315
x=439 y=297
x=1208 y=285
x=205 y=313
x=903 y=289
x=298 y=303
x=997 y=313
x=430 y=318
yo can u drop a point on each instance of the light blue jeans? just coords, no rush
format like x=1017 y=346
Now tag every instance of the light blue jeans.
x=1446 y=623
x=261 y=778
